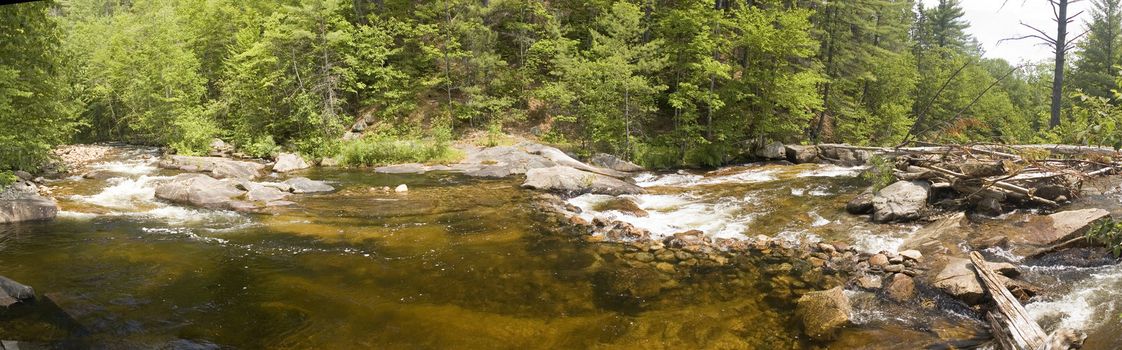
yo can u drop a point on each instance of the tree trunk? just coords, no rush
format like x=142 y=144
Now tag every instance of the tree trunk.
x=1058 y=77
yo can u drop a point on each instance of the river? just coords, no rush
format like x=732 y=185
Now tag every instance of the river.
x=460 y=262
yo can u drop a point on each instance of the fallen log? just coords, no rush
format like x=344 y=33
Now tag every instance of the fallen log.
x=1014 y=321
x=999 y=184
x=1011 y=324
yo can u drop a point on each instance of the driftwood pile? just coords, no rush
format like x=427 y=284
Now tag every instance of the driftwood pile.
x=987 y=177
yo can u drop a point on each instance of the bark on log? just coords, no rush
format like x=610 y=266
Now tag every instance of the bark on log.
x=1023 y=332
x=999 y=184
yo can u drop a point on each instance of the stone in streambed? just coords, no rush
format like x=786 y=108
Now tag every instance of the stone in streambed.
x=823 y=313
x=862 y=204
x=901 y=288
x=901 y=201
x=218 y=167
x=569 y=180
x=608 y=161
x=199 y=190
x=21 y=202
x=12 y=292
x=624 y=205
x=801 y=154
x=287 y=162
x=774 y=150
x=958 y=279
x=306 y=185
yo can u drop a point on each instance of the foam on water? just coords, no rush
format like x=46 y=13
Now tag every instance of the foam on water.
x=125 y=193
x=866 y=241
x=684 y=179
x=833 y=171
x=670 y=214
x=1091 y=301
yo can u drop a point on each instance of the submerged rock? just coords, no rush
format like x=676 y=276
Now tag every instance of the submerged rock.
x=263 y=193
x=901 y=288
x=823 y=313
x=901 y=201
x=609 y=161
x=218 y=167
x=573 y=181
x=287 y=162
x=21 y=202
x=305 y=185
x=623 y=205
x=12 y=292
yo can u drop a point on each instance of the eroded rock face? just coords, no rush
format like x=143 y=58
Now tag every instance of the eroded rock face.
x=569 y=180
x=21 y=202
x=217 y=167
x=608 y=161
x=823 y=313
x=287 y=162
x=901 y=201
x=201 y=191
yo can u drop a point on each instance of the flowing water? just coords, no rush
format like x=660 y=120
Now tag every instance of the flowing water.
x=466 y=263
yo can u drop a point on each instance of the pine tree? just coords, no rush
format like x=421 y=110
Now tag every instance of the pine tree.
x=1099 y=54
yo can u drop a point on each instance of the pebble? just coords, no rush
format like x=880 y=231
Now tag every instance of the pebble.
x=878 y=260
x=894 y=268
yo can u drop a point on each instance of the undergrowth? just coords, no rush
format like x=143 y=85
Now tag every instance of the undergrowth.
x=7 y=178
x=879 y=172
x=1109 y=233
x=384 y=150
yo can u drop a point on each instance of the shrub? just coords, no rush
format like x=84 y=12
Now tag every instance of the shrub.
x=261 y=147
x=1109 y=233
x=383 y=150
x=7 y=178
x=879 y=172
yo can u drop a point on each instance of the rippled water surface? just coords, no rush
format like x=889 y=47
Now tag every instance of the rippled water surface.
x=454 y=263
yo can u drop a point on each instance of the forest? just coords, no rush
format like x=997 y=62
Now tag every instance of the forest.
x=663 y=83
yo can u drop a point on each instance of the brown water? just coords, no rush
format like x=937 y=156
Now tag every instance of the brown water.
x=454 y=263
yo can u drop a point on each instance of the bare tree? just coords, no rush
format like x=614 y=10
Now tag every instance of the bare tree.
x=1060 y=46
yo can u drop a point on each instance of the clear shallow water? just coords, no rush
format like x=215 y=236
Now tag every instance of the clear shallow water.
x=454 y=263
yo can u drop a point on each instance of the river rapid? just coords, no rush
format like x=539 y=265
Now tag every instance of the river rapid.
x=465 y=263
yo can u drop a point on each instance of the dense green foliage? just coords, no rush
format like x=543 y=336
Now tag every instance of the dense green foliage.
x=691 y=82
x=1108 y=233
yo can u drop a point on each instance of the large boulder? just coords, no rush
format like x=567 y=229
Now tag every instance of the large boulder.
x=802 y=154
x=823 y=312
x=609 y=161
x=305 y=185
x=12 y=292
x=21 y=202
x=901 y=201
x=569 y=180
x=201 y=191
x=218 y=167
x=774 y=150
x=862 y=204
x=287 y=162
x=261 y=193
x=1042 y=234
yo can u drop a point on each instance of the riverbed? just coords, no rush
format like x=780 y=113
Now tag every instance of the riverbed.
x=459 y=262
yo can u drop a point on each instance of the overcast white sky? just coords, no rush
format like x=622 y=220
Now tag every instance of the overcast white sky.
x=990 y=22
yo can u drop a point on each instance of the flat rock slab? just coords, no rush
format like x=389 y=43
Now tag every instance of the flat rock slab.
x=302 y=185
x=572 y=181
x=218 y=167
x=1043 y=233
x=958 y=279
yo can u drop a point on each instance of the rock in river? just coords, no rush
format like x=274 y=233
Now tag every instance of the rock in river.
x=862 y=204
x=287 y=162
x=901 y=201
x=959 y=279
x=218 y=167
x=21 y=202
x=12 y=292
x=609 y=161
x=823 y=312
x=573 y=181
x=201 y=191
x=305 y=185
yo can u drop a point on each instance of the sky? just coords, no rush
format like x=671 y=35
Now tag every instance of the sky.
x=990 y=22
